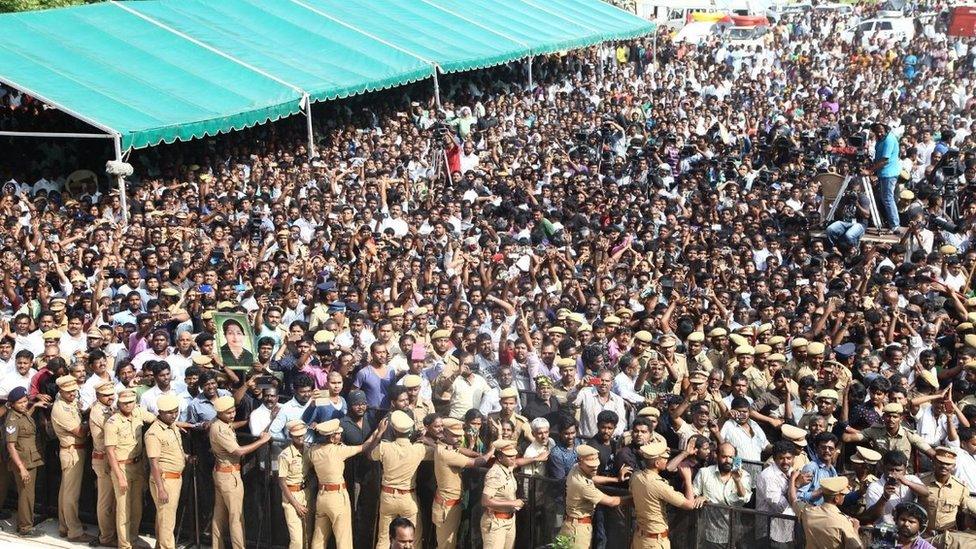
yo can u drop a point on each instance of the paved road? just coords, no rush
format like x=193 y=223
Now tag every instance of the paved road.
x=49 y=528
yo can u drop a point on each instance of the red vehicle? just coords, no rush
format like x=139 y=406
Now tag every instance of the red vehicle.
x=962 y=21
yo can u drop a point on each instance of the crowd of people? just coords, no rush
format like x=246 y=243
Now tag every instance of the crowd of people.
x=619 y=287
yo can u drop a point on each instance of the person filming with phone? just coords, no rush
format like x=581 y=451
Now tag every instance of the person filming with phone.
x=725 y=483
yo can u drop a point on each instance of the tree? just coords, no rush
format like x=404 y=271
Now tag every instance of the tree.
x=7 y=6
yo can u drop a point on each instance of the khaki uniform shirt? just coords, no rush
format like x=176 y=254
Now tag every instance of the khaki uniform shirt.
x=165 y=444
x=651 y=493
x=825 y=527
x=879 y=439
x=329 y=461
x=293 y=465
x=125 y=433
x=718 y=360
x=66 y=418
x=758 y=380
x=522 y=427
x=442 y=390
x=223 y=442
x=96 y=422
x=400 y=459
x=448 y=463
x=500 y=483
x=582 y=495
x=421 y=409
x=22 y=432
x=944 y=501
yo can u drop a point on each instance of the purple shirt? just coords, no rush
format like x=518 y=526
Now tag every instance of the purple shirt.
x=318 y=374
x=375 y=387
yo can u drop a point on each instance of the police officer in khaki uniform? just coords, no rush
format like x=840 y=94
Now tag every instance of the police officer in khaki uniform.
x=947 y=495
x=293 y=467
x=164 y=448
x=498 y=498
x=799 y=438
x=228 y=517
x=420 y=406
x=448 y=463
x=124 y=449
x=400 y=459
x=582 y=497
x=508 y=399
x=824 y=526
x=890 y=434
x=651 y=495
x=71 y=432
x=21 y=441
x=100 y=411
x=863 y=462
x=333 y=509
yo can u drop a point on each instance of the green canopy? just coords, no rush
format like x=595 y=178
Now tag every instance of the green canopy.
x=164 y=70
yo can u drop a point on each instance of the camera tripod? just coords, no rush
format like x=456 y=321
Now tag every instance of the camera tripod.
x=868 y=189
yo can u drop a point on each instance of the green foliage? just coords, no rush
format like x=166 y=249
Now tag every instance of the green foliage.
x=7 y=6
x=562 y=541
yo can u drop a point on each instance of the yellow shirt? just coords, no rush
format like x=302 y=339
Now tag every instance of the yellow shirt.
x=582 y=495
x=329 y=461
x=66 y=418
x=651 y=495
x=164 y=443
x=223 y=442
x=400 y=459
x=125 y=433
x=448 y=463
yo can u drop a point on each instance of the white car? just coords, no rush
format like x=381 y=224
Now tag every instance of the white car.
x=696 y=32
x=886 y=29
x=747 y=38
x=845 y=10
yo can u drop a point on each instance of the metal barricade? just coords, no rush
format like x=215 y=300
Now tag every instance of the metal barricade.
x=537 y=524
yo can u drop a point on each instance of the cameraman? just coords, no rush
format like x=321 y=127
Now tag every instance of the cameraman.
x=910 y=520
x=887 y=166
x=847 y=230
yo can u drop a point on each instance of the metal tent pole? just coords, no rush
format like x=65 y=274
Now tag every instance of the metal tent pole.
x=654 y=50
x=308 y=123
x=437 y=88
x=119 y=180
x=530 y=73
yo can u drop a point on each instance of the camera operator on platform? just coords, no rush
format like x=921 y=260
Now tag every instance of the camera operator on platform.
x=887 y=167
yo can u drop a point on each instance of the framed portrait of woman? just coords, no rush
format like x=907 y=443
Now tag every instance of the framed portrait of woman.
x=234 y=339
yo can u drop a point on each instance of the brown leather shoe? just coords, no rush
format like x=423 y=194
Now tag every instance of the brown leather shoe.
x=84 y=538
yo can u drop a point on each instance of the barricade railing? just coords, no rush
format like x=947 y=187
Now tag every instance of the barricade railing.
x=537 y=524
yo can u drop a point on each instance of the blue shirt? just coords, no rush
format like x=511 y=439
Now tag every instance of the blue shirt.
x=201 y=409
x=561 y=462
x=820 y=471
x=887 y=148
x=289 y=411
x=321 y=414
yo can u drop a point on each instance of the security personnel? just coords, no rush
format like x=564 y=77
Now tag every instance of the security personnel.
x=228 y=486
x=21 y=442
x=333 y=509
x=582 y=497
x=420 y=406
x=97 y=415
x=400 y=459
x=164 y=448
x=947 y=495
x=824 y=526
x=891 y=434
x=864 y=461
x=508 y=399
x=124 y=448
x=498 y=498
x=651 y=493
x=71 y=432
x=799 y=439
x=448 y=463
x=292 y=470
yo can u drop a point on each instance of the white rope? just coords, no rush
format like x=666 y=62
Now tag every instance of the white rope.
x=58 y=134
x=209 y=48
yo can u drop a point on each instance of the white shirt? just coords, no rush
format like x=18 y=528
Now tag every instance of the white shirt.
x=87 y=394
x=749 y=447
x=771 y=487
x=344 y=340
x=14 y=379
x=965 y=466
x=467 y=394
x=70 y=344
x=624 y=386
x=151 y=397
x=902 y=493
x=709 y=483
x=260 y=420
x=178 y=365
x=589 y=404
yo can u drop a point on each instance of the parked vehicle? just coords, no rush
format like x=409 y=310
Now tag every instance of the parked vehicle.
x=885 y=28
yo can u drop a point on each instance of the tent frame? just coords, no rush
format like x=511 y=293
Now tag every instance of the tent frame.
x=306 y=101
